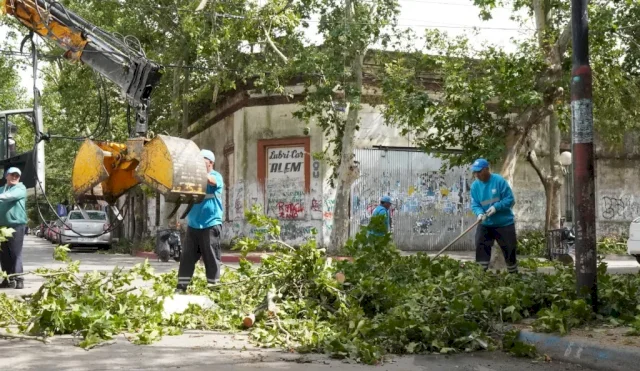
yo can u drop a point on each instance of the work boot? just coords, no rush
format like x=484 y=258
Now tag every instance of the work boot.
x=19 y=285
x=181 y=289
x=7 y=284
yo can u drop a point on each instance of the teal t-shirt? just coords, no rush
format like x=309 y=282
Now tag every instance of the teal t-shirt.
x=209 y=212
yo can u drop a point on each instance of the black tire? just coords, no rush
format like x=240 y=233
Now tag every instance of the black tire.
x=163 y=256
x=163 y=252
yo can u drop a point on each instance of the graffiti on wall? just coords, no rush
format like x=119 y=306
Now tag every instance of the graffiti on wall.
x=530 y=204
x=619 y=208
x=429 y=206
x=285 y=183
x=238 y=200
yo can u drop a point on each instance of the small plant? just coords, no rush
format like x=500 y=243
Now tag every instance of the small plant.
x=616 y=245
x=532 y=243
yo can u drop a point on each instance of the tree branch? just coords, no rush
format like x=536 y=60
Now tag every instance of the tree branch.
x=541 y=21
x=563 y=40
x=23 y=337
x=274 y=47
x=201 y=6
x=535 y=163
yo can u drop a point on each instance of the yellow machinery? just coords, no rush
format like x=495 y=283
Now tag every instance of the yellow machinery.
x=168 y=164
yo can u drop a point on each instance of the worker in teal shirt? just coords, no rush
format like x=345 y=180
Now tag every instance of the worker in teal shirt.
x=13 y=214
x=204 y=229
x=491 y=201
x=383 y=209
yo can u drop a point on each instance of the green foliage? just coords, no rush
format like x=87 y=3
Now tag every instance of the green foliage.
x=532 y=243
x=613 y=245
x=377 y=302
x=485 y=94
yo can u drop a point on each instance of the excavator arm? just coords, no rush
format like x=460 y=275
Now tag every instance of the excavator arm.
x=106 y=170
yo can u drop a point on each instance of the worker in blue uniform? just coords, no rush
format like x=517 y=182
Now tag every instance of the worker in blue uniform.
x=383 y=209
x=492 y=202
x=204 y=230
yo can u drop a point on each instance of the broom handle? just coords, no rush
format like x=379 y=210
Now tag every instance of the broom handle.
x=457 y=238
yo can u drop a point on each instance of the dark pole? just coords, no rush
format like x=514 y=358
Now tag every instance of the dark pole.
x=583 y=157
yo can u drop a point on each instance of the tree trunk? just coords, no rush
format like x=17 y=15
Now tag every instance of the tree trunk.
x=347 y=171
x=552 y=178
x=514 y=144
x=139 y=218
x=556 y=178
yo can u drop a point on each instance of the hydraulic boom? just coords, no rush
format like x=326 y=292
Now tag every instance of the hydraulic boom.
x=163 y=163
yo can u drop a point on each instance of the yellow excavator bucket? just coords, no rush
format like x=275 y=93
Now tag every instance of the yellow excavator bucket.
x=173 y=166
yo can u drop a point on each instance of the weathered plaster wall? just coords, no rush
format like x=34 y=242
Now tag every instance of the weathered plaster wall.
x=234 y=140
x=617 y=195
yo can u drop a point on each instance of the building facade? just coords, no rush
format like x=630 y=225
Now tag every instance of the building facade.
x=266 y=157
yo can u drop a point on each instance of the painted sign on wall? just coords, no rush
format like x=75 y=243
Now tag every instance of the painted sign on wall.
x=285 y=182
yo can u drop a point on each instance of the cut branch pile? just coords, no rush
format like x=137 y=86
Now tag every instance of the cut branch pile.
x=378 y=302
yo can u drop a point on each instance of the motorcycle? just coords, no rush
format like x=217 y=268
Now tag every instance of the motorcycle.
x=168 y=245
x=562 y=246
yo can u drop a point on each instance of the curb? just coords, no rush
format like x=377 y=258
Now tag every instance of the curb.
x=580 y=351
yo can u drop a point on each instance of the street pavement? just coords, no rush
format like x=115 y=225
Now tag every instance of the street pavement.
x=198 y=350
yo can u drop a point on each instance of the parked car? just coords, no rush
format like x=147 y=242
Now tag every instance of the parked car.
x=633 y=243
x=86 y=228
x=56 y=230
x=49 y=231
x=40 y=231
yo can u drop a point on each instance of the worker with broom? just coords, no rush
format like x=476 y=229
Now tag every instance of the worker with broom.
x=491 y=201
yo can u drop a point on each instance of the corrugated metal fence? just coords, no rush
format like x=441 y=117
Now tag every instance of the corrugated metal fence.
x=430 y=208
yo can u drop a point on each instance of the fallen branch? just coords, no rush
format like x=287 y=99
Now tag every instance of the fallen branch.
x=268 y=304
x=243 y=280
x=38 y=274
x=24 y=337
x=101 y=344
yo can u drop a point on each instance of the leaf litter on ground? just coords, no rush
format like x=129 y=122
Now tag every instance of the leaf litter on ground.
x=299 y=299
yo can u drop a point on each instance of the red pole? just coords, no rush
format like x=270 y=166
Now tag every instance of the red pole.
x=583 y=156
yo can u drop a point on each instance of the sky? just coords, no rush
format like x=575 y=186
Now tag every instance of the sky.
x=453 y=16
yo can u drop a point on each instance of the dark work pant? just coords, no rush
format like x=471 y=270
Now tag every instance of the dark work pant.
x=506 y=237
x=11 y=253
x=205 y=243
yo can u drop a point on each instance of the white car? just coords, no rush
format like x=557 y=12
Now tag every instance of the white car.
x=86 y=228
x=633 y=243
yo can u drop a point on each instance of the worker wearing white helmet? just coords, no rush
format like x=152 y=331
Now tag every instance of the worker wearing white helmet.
x=204 y=229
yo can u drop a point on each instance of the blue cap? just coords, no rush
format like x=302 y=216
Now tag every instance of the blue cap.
x=12 y=170
x=479 y=164
x=385 y=199
x=208 y=155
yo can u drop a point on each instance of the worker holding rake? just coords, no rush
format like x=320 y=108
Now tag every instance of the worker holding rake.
x=491 y=201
